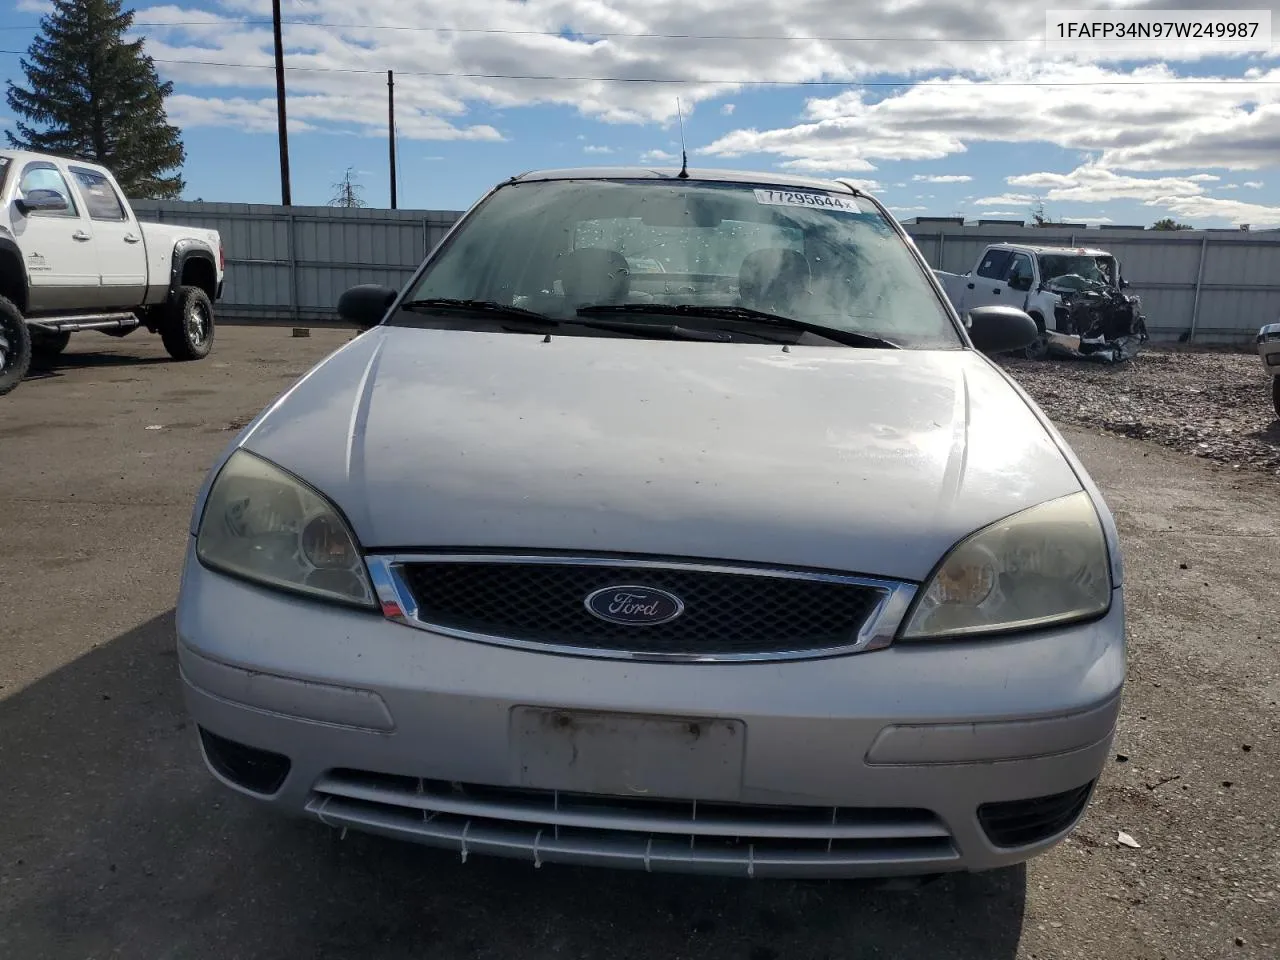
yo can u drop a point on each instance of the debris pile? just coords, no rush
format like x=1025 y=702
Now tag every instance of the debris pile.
x=1093 y=320
x=1212 y=404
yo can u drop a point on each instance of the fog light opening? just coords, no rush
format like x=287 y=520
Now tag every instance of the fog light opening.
x=1021 y=823
x=255 y=770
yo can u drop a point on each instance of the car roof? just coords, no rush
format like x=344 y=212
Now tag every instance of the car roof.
x=694 y=174
x=1039 y=249
x=22 y=157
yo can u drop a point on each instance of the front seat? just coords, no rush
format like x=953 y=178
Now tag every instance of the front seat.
x=594 y=275
x=773 y=279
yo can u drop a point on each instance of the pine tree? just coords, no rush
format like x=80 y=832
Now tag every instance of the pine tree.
x=95 y=96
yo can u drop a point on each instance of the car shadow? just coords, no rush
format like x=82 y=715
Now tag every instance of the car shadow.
x=80 y=360
x=1268 y=434
x=114 y=840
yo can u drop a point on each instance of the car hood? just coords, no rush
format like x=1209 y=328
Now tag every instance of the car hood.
x=866 y=461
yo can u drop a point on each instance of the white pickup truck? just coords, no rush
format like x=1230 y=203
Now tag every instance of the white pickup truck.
x=1074 y=291
x=74 y=257
x=1269 y=351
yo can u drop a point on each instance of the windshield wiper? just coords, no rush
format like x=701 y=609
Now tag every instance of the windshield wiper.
x=667 y=331
x=478 y=306
x=849 y=338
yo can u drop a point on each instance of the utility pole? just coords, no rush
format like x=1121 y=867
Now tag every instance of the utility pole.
x=391 y=129
x=286 y=195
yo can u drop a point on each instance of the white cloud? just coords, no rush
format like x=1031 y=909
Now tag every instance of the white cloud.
x=908 y=209
x=40 y=7
x=1236 y=211
x=831 y=164
x=1016 y=214
x=593 y=148
x=832 y=172
x=1180 y=196
x=1005 y=200
x=868 y=186
x=1147 y=118
x=942 y=178
x=1094 y=184
x=656 y=156
x=312 y=112
x=1253 y=184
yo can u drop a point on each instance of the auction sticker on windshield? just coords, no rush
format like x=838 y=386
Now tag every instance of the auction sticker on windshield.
x=819 y=201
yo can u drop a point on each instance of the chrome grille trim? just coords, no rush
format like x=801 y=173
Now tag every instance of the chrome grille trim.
x=544 y=826
x=877 y=631
x=549 y=808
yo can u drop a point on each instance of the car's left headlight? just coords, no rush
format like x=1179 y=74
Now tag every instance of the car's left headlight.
x=1044 y=566
x=266 y=525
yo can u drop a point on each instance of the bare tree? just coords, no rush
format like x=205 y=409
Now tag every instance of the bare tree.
x=347 y=192
x=1038 y=215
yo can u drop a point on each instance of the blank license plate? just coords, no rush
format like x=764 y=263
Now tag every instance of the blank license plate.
x=627 y=755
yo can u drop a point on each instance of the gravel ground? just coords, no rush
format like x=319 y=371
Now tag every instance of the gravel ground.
x=115 y=842
x=1212 y=404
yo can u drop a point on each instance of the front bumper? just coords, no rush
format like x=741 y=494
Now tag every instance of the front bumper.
x=1269 y=348
x=890 y=762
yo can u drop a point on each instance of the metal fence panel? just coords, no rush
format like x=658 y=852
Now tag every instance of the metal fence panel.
x=294 y=262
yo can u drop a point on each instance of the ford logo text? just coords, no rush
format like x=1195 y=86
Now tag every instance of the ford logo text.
x=634 y=606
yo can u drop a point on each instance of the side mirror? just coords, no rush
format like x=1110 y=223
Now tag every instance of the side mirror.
x=41 y=201
x=1020 y=283
x=365 y=306
x=998 y=329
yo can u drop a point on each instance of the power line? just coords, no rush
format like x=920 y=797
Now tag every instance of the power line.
x=570 y=34
x=723 y=81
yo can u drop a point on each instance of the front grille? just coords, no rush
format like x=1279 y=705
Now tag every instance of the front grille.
x=650 y=834
x=1017 y=823
x=725 y=613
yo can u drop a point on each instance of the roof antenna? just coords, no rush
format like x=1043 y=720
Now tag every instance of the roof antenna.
x=684 y=155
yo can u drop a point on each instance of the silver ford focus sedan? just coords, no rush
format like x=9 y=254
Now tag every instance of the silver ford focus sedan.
x=665 y=520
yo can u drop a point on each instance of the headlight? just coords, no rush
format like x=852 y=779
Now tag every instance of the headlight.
x=265 y=525
x=1043 y=566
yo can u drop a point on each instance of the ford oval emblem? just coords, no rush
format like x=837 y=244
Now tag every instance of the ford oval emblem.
x=634 y=606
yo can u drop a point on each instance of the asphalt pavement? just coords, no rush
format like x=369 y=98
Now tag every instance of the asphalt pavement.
x=115 y=842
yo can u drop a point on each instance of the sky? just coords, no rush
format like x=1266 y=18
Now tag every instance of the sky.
x=940 y=107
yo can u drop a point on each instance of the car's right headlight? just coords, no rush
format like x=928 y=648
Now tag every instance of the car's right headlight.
x=1044 y=566
x=266 y=525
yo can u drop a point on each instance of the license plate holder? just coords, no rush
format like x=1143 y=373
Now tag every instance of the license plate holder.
x=627 y=754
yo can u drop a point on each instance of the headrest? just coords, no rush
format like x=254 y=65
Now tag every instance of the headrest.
x=595 y=275
x=772 y=275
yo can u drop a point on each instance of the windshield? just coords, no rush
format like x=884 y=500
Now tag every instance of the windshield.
x=4 y=170
x=1097 y=269
x=554 y=247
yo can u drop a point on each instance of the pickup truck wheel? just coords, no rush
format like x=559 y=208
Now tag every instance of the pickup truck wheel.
x=1038 y=349
x=187 y=326
x=15 y=347
x=46 y=346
